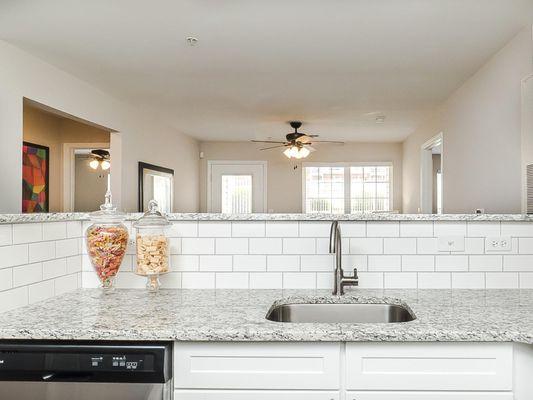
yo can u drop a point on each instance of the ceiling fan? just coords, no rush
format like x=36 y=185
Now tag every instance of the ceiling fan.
x=298 y=144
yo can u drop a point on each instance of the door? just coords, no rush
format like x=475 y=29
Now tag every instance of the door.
x=236 y=187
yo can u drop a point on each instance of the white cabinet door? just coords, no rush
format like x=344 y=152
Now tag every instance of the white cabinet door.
x=259 y=365
x=254 y=395
x=429 y=396
x=429 y=366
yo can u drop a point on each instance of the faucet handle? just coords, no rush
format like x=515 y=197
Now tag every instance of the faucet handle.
x=355 y=273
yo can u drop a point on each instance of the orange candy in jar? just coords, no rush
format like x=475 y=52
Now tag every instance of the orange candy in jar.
x=107 y=239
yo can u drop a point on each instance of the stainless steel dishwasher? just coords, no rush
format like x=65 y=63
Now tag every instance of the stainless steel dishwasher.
x=61 y=370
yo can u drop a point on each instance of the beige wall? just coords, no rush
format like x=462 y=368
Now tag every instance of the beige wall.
x=46 y=129
x=482 y=137
x=285 y=182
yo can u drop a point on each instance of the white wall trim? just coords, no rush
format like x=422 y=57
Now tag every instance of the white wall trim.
x=426 y=178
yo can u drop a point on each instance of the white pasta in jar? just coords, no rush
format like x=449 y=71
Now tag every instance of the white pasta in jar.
x=152 y=254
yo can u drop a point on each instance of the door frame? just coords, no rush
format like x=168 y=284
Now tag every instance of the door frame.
x=426 y=175
x=211 y=163
x=69 y=170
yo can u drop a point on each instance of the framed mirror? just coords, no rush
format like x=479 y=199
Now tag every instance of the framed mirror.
x=156 y=183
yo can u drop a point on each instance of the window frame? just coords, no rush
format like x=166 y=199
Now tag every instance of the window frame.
x=347 y=180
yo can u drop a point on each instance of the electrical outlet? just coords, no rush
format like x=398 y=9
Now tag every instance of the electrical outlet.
x=451 y=243
x=498 y=243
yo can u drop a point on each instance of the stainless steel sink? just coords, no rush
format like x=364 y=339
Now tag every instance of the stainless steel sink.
x=340 y=313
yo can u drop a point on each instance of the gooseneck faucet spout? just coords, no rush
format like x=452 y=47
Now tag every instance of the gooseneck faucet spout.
x=335 y=247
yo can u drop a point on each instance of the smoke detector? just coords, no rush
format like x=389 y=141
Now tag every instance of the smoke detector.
x=380 y=119
x=192 y=41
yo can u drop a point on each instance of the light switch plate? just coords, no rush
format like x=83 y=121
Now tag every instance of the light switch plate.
x=498 y=243
x=451 y=243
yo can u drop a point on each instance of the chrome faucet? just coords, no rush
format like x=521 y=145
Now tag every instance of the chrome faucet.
x=335 y=247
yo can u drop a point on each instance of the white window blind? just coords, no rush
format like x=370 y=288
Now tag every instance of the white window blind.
x=347 y=188
x=236 y=194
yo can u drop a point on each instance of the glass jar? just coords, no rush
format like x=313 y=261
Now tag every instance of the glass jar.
x=152 y=246
x=107 y=239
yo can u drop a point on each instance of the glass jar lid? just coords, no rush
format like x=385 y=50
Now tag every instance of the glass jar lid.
x=108 y=212
x=152 y=218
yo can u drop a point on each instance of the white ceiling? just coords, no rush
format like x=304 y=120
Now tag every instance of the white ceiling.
x=335 y=64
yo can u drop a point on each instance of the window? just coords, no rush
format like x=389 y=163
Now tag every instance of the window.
x=236 y=194
x=347 y=188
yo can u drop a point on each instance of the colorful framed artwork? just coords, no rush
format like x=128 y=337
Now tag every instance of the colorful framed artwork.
x=35 y=178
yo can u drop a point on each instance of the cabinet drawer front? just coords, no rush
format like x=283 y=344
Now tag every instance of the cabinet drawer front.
x=429 y=396
x=429 y=366
x=256 y=365
x=254 y=395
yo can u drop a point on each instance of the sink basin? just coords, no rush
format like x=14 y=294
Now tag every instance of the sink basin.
x=340 y=313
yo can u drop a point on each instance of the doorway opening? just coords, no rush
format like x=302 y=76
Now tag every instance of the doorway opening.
x=69 y=179
x=431 y=176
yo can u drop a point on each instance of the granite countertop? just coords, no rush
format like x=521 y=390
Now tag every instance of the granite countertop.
x=239 y=315
x=55 y=217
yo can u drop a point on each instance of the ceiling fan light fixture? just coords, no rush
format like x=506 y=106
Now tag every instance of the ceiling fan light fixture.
x=94 y=163
x=304 y=152
x=105 y=165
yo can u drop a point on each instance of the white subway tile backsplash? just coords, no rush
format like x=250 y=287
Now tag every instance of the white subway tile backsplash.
x=523 y=229
x=198 y=280
x=351 y=261
x=65 y=284
x=486 y=263
x=6 y=278
x=318 y=262
x=67 y=247
x=366 y=246
x=299 y=246
x=13 y=255
x=434 y=280
x=324 y=280
x=231 y=246
x=265 y=246
x=371 y=280
x=27 y=233
x=184 y=262
x=13 y=298
x=501 y=280
x=384 y=263
x=183 y=229
x=283 y=263
x=322 y=245
x=248 y=229
x=483 y=229
x=445 y=228
x=249 y=262
x=231 y=280
x=266 y=280
x=282 y=229
x=399 y=245
x=299 y=280
x=400 y=280
x=171 y=280
x=416 y=229
x=525 y=245
x=6 y=235
x=198 y=246
x=130 y=280
x=216 y=263
x=174 y=245
x=54 y=230
x=526 y=280
x=468 y=280
x=74 y=264
x=54 y=268
x=451 y=263
x=353 y=229
x=42 y=251
x=27 y=274
x=314 y=229
x=74 y=229
x=518 y=263
x=427 y=246
x=474 y=246
x=214 y=229
x=40 y=291
x=383 y=229
x=416 y=263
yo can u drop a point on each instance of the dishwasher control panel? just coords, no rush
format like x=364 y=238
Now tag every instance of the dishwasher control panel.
x=86 y=361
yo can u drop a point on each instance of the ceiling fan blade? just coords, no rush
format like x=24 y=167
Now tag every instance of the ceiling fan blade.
x=266 y=141
x=272 y=147
x=303 y=139
x=310 y=148
x=328 y=141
